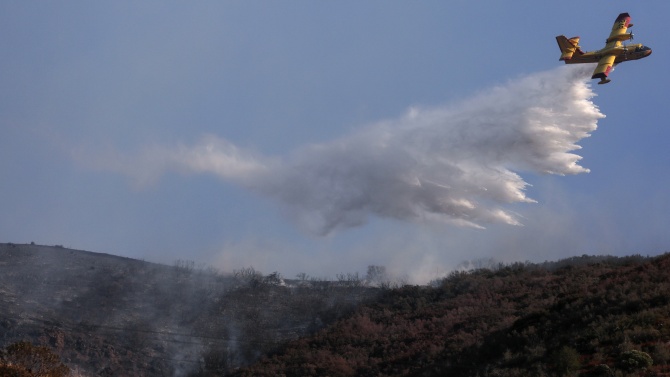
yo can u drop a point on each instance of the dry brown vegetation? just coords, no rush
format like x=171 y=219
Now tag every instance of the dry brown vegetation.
x=592 y=316
x=106 y=315
x=112 y=316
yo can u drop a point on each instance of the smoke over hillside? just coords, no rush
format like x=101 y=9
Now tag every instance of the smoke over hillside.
x=457 y=163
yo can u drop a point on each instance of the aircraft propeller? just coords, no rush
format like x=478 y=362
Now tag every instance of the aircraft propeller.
x=625 y=47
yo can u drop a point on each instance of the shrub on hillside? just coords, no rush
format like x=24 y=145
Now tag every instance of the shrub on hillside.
x=635 y=360
x=23 y=359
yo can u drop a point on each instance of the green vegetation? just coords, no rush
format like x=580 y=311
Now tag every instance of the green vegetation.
x=635 y=360
x=565 y=361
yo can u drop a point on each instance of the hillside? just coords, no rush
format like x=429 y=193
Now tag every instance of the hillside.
x=592 y=316
x=111 y=316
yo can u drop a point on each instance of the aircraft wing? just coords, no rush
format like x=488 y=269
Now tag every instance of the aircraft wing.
x=605 y=65
x=618 y=33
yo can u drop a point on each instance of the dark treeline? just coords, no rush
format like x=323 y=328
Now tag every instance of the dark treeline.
x=589 y=316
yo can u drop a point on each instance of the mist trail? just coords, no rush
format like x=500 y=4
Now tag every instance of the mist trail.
x=457 y=163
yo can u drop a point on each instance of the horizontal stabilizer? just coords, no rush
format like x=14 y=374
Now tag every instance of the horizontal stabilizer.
x=568 y=47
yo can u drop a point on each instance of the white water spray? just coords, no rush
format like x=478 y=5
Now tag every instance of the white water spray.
x=458 y=163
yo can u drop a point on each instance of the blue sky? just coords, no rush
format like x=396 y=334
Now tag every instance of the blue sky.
x=82 y=81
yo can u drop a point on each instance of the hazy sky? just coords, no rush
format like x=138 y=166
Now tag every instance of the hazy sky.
x=322 y=137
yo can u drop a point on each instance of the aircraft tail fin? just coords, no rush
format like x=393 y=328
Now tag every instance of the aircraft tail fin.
x=568 y=47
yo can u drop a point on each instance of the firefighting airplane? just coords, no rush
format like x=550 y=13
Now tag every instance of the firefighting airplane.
x=614 y=52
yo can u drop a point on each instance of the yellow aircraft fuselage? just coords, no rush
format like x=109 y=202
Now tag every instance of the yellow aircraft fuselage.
x=622 y=53
x=615 y=51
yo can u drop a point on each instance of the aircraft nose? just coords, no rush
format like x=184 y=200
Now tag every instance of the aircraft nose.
x=648 y=52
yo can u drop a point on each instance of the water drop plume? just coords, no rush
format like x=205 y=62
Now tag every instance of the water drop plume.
x=459 y=163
